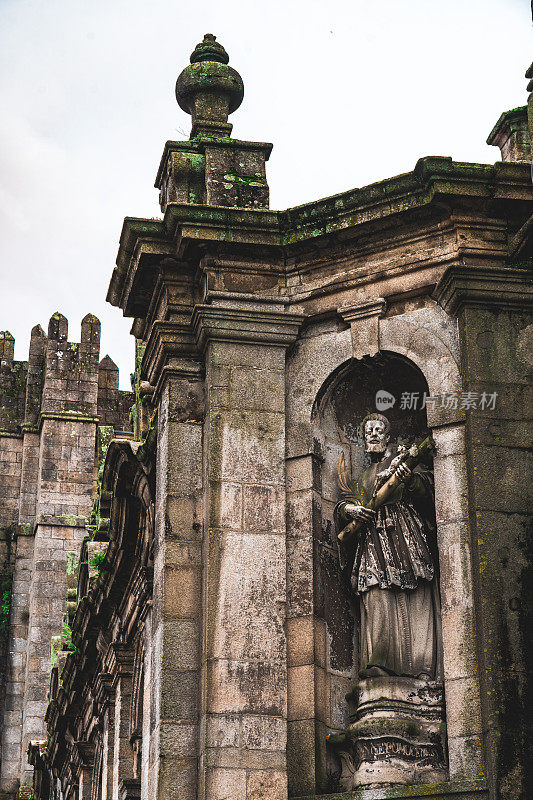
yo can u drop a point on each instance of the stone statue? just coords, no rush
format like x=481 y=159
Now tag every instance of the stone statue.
x=391 y=560
x=388 y=554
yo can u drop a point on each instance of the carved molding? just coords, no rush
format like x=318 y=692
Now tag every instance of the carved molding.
x=490 y=287
x=253 y=326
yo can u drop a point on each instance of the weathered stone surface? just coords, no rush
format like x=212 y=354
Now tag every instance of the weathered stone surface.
x=50 y=484
x=215 y=644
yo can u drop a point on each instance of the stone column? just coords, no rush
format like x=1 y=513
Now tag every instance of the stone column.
x=244 y=704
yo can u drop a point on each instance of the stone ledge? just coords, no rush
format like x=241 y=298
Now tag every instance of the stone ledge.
x=457 y=791
x=68 y=416
x=10 y=532
x=10 y=435
x=62 y=520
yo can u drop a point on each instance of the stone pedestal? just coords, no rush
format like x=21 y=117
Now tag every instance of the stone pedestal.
x=396 y=734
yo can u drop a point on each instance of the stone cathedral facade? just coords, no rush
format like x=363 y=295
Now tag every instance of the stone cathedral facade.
x=330 y=407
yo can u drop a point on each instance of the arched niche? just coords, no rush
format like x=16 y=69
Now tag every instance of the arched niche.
x=347 y=396
x=425 y=341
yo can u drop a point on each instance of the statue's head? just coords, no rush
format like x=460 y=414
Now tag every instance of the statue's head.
x=375 y=429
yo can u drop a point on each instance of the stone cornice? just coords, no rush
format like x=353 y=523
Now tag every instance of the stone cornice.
x=224 y=323
x=490 y=287
x=167 y=340
x=433 y=180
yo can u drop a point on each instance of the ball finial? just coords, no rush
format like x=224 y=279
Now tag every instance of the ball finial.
x=209 y=90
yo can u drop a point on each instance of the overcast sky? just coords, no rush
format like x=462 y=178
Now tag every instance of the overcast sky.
x=349 y=91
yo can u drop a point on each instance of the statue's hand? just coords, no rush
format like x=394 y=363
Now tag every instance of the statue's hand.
x=360 y=512
x=403 y=473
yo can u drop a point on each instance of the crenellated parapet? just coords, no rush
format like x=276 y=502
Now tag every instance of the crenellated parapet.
x=12 y=385
x=71 y=370
x=60 y=377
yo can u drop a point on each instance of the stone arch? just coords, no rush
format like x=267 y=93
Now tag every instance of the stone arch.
x=127 y=495
x=346 y=397
x=429 y=338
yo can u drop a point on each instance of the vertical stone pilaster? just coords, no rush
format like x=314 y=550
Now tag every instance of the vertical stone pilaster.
x=244 y=711
x=108 y=738
x=82 y=765
x=493 y=307
x=306 y=633
x=146 y=753
x=464 y=727
x=174 y=669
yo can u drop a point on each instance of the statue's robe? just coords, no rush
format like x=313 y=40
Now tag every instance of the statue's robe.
x=391 y=566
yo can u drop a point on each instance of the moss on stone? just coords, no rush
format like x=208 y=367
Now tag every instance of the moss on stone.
x=6 y=596
x=72 y=563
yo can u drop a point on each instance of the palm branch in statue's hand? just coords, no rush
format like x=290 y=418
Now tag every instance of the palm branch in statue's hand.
x=404 y=464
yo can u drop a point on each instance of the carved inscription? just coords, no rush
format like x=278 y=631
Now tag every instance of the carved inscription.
x=374 y=749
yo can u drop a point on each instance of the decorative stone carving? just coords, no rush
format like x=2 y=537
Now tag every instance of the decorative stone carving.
x=387 y=552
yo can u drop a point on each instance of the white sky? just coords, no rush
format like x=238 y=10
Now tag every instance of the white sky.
x=349 y=91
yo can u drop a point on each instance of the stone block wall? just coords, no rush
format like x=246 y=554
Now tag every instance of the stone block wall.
x=50 y=408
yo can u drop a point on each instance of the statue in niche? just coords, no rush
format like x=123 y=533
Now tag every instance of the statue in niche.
x=391 y=559
x=387 y=551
